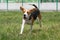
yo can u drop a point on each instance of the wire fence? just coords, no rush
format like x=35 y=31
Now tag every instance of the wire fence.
x=38 y=2
x=19 y=1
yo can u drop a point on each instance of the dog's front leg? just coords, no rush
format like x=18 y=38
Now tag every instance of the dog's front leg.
x=32 y=21
x=22 y=27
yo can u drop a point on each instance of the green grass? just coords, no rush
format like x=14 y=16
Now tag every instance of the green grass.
x=10 y=24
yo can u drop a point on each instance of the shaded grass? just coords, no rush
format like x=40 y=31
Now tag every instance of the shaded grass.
x=10 y=24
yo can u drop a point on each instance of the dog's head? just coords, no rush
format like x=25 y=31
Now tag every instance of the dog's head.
x=27 y=12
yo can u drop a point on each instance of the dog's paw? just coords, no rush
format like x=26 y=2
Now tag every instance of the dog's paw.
x=20 y=33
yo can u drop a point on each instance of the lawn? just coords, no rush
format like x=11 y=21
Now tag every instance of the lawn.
x=10 y=24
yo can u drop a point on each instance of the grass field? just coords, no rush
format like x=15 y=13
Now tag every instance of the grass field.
x=10 y=24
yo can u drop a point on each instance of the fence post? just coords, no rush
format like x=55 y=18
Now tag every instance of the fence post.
x=7 y=4
x=56 y=5
x=39 y=4
x=22 y=2
x=0 y=1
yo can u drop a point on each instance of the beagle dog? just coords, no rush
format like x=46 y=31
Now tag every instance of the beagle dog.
x=30 y=16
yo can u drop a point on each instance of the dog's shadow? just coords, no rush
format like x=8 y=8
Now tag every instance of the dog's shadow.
x=33 y=31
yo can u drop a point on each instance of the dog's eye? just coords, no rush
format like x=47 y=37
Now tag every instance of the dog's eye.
x=27 y=12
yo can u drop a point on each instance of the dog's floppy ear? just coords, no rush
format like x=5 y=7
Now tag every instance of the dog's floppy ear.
x=22 y=8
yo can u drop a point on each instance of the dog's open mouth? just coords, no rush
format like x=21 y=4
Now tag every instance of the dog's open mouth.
x=24 y=17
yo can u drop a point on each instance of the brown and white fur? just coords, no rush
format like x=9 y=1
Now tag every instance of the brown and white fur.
x=30 y=16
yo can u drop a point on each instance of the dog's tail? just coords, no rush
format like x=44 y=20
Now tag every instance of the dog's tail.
x=33 y=5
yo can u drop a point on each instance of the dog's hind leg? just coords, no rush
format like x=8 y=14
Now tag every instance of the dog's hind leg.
x=39 y=17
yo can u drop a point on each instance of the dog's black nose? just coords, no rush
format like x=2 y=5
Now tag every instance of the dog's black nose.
x=24 y=15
